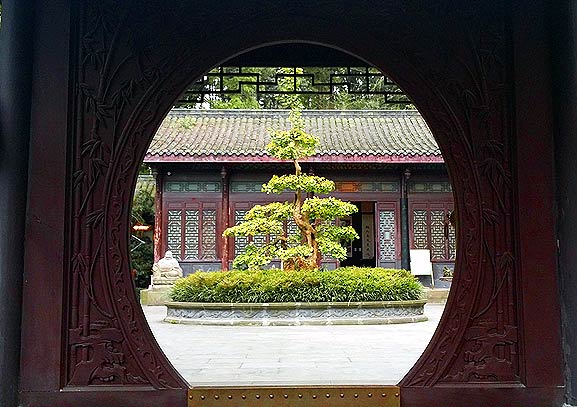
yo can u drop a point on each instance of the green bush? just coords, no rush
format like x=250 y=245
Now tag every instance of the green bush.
x=141 y=260
x=346 y=284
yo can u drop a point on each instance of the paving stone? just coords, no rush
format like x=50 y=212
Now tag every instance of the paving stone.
x=257 y=355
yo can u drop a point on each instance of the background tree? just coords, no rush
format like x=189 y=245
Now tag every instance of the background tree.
x=142 y=254
x=314 y=216
x=341 y=98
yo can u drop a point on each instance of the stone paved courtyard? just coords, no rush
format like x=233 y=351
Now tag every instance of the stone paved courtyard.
x=257 y=355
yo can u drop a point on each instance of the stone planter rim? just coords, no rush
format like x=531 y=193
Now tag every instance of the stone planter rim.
x=296 y=305
x=296 y=313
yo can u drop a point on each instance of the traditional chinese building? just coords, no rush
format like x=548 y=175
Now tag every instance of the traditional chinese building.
x=210 y=166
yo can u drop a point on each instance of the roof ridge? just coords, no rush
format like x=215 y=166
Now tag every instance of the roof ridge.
x=275 y=112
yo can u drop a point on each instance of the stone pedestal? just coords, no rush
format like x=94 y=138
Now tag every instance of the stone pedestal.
x=155 y=295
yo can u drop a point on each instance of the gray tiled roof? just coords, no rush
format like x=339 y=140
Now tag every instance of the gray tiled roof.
x=243 y=133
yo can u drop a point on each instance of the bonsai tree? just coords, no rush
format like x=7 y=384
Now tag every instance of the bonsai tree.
x=317 y=234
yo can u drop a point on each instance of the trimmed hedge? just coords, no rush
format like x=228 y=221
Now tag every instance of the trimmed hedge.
x=346 y=284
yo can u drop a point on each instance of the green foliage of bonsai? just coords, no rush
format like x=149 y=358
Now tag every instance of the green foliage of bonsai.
x=314 y=217
x=346 y=284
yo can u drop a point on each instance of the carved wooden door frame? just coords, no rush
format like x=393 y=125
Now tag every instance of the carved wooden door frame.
x=121 y=68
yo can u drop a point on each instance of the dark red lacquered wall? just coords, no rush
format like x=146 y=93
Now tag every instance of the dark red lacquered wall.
x=107 y=74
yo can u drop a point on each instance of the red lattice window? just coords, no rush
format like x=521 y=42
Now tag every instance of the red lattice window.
x=191 y=232
x=431 y=230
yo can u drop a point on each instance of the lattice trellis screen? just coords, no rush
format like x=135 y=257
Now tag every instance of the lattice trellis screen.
x=240 y=242
x=387 y=235
x=208 y=247
x=438 y=235
x=174 y=232
x=291 y=227
x=191 y=235
x=259 y=240
x=432 y=231
x=420 y=229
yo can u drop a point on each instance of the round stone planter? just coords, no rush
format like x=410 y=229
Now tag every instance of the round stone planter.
x=296 y=313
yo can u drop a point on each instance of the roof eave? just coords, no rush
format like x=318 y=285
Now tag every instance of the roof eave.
x=396 y=159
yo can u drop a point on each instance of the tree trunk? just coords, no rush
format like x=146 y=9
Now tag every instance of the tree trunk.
x=307 y=230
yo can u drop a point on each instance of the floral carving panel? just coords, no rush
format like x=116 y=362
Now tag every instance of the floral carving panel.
x=482 y=308
x=109 y=342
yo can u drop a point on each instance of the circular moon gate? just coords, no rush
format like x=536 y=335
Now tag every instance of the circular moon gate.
x=132 y=61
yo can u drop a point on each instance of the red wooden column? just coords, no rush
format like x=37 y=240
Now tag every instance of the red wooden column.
x=159 y=177
x=225 y=215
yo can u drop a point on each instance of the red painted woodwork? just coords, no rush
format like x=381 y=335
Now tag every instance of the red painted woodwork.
x=395 y=207
x=44 y=275
x=224 y=218
x=535 y=218
x=353 y=159
x=429 y=202
x=104 y=79
x=191 y=201
x=158 y=218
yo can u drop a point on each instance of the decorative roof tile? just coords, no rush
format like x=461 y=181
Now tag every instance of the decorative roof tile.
x=241 y=135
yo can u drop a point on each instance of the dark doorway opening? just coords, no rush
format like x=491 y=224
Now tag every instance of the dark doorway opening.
x=361 y=252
